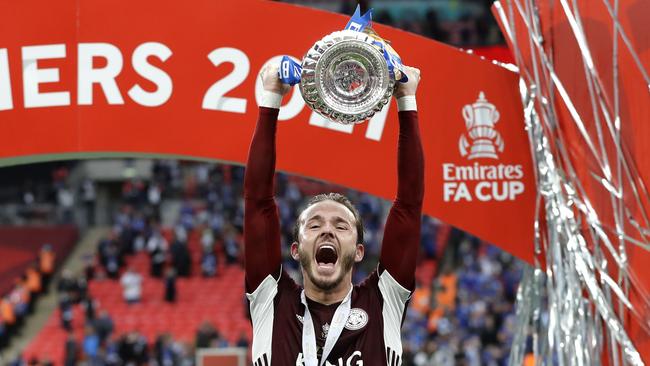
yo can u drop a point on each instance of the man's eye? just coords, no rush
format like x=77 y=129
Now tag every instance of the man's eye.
x=314 y=226
x=342 y=227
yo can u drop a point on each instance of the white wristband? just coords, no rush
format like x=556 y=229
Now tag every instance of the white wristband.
x=271 y=99
x=407 y=103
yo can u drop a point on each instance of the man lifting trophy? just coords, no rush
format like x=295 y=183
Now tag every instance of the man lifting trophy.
x=347 y=77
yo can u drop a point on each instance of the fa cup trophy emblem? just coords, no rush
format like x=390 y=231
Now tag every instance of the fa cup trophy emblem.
x=480 y=118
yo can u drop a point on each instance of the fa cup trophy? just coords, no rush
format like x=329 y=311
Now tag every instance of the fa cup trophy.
x=349 y=75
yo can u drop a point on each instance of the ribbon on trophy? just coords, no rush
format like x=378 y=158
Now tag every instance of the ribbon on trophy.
x=290 y=69
x=359 y=22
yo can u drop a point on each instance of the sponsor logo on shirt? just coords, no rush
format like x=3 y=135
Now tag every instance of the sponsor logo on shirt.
x=355 y=359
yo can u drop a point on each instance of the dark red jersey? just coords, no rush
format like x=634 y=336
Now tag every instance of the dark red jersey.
x=371 y=335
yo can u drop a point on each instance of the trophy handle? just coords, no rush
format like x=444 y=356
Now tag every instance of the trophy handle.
x=463 y=145
x=495 y=115
x=468 y=115
x=499 y=140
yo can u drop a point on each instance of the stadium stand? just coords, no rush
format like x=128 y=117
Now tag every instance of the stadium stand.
x=462 y=308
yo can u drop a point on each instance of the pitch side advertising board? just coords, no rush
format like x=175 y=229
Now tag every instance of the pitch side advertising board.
x=87 y=79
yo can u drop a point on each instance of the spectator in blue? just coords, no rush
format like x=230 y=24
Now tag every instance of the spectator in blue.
x=18 y=361
x=91 y=346
x=208 y=264
x=164 y=351
x=242 y=342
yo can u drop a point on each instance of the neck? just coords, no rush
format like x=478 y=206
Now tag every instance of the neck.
x=328 y=297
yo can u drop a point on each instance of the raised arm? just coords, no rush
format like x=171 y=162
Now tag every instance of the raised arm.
x=402 y=231
x=261 y=220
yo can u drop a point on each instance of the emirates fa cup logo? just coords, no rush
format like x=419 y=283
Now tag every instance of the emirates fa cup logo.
x=484 y=141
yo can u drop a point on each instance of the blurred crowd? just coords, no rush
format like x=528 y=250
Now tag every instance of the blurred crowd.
x=466 y=315
x=100 y=345
x=20 y=300
x=460 y=23
x=461 y=315
x=41 y=194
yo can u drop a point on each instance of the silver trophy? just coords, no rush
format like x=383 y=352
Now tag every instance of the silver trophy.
x=345 y=76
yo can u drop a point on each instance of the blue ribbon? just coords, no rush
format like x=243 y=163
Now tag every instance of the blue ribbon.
x=290 y=70
x=359 y=22
x=394 y=62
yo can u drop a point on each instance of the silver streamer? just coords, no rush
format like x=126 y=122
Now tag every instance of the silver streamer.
x=575 y=301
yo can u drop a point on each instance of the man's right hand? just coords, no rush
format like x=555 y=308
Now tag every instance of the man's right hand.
x=271 y=81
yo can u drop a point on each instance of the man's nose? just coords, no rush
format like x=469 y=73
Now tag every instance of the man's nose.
x=327 y=229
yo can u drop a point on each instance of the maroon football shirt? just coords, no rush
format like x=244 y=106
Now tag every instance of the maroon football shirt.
x=371 y=335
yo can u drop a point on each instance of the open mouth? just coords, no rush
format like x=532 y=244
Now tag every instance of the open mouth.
x=326 y=256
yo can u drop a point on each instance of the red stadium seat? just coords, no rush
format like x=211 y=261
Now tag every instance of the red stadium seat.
x=218 y=299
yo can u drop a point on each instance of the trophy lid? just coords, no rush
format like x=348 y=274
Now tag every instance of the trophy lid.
x=481 y=102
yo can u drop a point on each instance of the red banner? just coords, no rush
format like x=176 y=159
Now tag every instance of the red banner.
x=85 y=79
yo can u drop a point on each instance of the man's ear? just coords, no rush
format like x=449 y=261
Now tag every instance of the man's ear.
x=294 y=251
x=360 y=251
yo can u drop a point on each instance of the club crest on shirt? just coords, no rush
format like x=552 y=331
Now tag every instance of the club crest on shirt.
x=357 y=319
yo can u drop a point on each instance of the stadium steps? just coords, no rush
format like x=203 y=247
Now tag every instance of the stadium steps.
x=219 y=300
x=46 y=309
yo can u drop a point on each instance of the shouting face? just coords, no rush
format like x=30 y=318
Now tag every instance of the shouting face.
x=327 y=245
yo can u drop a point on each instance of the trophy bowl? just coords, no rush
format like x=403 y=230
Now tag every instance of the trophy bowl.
x=345 y=77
